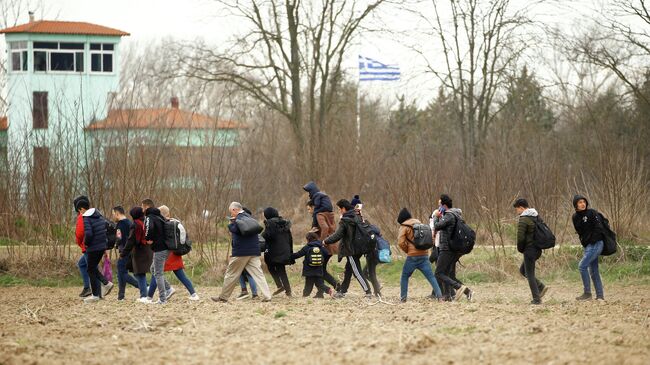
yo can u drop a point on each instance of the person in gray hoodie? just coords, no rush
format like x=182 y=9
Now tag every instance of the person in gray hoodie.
x=526 y=246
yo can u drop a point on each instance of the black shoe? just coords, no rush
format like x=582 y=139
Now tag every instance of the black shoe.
x=584 y=296
x=86 y=292
x=278 y=291
x=289 y=295
x=536 y=301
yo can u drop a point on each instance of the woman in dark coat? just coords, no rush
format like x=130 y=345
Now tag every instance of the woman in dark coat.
x=142 y=254
x=278 y=248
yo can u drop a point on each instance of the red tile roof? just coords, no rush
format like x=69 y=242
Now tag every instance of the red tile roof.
x=61 y=27
x=4 y=123
x=164 y=118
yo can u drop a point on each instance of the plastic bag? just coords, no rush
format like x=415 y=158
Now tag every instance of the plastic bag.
x=108 y=271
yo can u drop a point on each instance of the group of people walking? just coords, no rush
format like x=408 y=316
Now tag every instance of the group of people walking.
x=154 y=242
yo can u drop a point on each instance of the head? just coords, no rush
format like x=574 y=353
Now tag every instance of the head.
x=344 y=205
x=234 y=208
x=164 y=211
x=520 y=205
x=82 y=206
x=136 y=213
x=77 y=199
x=146 y=204
x=118 y=213
x=312 y=236
x=310 y=206
x=446 y=201
x=403 y=216
x=271 y=212
x=356 y=200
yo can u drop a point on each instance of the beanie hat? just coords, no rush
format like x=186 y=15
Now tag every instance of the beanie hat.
x=271 y=212
x=355 y=200
x=403 y=216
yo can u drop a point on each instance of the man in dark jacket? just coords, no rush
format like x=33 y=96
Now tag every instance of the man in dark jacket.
x=345 y=234
x=312 y=267
x=278 y=247
x=525 y=245
x=589 y=227
x=95 y=242
x=445 y=222
x=123 y=230
x=154 y=233
x=245 y=255
x=322 y=206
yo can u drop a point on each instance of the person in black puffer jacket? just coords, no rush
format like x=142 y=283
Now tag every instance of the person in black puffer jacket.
x=278 y=247
x=589 y=227
x=95 y=241
x=154 y=233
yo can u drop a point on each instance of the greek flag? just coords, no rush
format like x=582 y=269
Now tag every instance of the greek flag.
x=372 y=70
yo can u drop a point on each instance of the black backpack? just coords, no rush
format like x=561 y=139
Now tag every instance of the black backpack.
x=363 y=241
x=172 y=234
x=184 y=248
x=463 y=238
x=314 y=257
x=111 y=233
x=422 y=236
x=609 y=237
x=543 y=237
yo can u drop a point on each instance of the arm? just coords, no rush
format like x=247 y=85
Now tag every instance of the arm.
x=232 y=227
x=147 y=228
x=299 y=254
x=336 y=236
x=444 y=222
x=183 y=233
x=79 y=232
x=402 y=241
x=88 y=231
x=130 y=242
x=521 y=235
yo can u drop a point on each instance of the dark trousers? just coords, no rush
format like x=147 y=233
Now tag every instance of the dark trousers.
x=327 y=276
x=123 y=276
x=446 y=272
x=93 y=272
x=527 y=269
x=279 y=275
x=370 y=271
x=353 y=267
x=310 y=281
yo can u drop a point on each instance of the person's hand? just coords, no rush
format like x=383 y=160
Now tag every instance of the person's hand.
x=437 y=213
x=149 y=242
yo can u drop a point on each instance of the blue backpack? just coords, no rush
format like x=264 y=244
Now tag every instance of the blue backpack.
x=383 y=250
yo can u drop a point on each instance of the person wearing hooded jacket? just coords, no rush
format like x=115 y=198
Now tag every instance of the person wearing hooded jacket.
x=311 y=270
x=277 y=248
x=141 y=253
x=352 y=254
x=526 y=246
x=95 y=241
x=416 y=259
x=590 y=229
x=323 y=211
x=445 y=222
x=154 y=234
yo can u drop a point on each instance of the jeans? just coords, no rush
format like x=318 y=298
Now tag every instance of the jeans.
x=279 y=274
x=353 y=267
x=421 y=263
x=370 y=271
x=158 y=271
x=180 y=275
x=247 y=278
x=527 y=270
x=123 y=276
x=589 y=266
x=142 y=284
x=92 y=259
x=446 y=272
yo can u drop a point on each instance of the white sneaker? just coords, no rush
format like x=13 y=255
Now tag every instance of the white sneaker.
x=107 y=289
x=170 y=292
x=91 y=299
x=194 y=297
x=160 y=302
x=144 y=300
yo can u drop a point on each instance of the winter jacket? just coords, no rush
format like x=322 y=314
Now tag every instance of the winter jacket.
x=587 y=224
x=322 y=202
x=243 y=245
x=79 y=233
x=174 y=262
x=526 y=229
x=345 y=234
x=446 y=225
x=278 y=245
x=308 y=270
x=405 y=239
x=142 y=255
x=154 y=229
x=94 y=231
x=123 y=229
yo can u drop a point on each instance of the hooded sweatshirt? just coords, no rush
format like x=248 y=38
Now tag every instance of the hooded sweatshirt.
x=154 y=229
x=322 y=202
x=526 y=229
x=587 y=223
x=345 y=234
x=278 y=242
x=94 y=231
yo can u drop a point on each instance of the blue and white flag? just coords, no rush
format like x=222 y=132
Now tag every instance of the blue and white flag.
x=372 y=70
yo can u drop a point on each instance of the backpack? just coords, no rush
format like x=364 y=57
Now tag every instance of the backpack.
x=184 y=248
x=609 y=237
x=314 y=257
x=172 y=234
x=363 y=241
x=463 y=238
x=111 y=233
x=543 y=237
x=383 y=250
x=422 y=236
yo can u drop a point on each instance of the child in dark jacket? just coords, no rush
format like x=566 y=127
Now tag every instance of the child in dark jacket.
x=322 y=210
x=312 y=267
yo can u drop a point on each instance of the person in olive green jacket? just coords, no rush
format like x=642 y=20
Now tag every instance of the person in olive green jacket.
x=525 y=245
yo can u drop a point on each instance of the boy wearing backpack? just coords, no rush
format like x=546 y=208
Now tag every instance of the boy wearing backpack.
x=312 y=266
x=588 y=223
x=446 y=219
x=417 y=256
x=526 y=246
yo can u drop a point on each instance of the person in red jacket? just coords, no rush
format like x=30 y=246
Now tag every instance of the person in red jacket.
x=174 y=263
x=81 y=204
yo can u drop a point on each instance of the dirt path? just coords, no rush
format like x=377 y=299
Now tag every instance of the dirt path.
x=51 y=326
